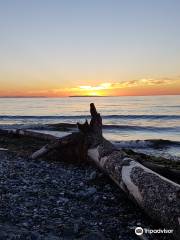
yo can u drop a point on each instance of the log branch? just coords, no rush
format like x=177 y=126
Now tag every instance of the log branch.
x=74 y=139
x=27 y=133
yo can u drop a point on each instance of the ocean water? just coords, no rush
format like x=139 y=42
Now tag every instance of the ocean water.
x=132 y=122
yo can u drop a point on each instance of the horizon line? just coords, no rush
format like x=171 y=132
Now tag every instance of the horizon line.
x=74 y=96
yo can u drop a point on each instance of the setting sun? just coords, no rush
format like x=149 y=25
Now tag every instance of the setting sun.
x=91 y=93
x=93 y=90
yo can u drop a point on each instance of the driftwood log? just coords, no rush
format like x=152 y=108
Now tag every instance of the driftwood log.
x=27 y=133
x=70 y=147
x=158 y=196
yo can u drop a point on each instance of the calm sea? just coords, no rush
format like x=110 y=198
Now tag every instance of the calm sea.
x=126 y=119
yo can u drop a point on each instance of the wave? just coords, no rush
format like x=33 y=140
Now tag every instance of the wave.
x=110 y=127
x=150 y=143
x=140 y=128
x=106 y=127
x=150 y=117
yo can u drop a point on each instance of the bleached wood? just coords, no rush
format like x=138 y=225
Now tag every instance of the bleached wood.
x=158 y=196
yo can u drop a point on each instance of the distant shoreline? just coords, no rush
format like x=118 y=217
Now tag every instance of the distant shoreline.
x=24 y=97
x=87 y=96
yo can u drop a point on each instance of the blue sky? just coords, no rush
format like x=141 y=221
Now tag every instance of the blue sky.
x=60 y=43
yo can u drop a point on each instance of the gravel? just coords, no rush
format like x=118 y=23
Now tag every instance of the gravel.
x=43 y=200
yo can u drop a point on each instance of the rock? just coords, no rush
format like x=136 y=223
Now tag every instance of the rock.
x=68 y=233
x=25 y=224
x=35 y=236
x=62 y=200
x=51 y=237
x=87 y=193
x=93 y=175
x=96 y=198
x=55 y=182
x=81 y=184
x=76 y=228
x=94 y=236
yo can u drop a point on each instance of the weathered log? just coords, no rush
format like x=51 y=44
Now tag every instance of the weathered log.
x=171 y=173
x=158 y=196
x=27 y=133
x=165 y=167
x=3 y=149
x=74 y=139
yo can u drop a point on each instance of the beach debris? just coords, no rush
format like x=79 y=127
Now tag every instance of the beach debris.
x=3 y=149
x=27 y=133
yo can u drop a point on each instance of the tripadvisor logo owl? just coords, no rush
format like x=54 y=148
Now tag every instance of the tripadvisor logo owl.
x=138 y=231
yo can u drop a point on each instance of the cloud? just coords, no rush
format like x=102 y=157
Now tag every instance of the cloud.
x=143 y=82
x=131 y=83
x=103 y=88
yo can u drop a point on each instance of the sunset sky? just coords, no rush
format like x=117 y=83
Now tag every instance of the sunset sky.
x=89 y=47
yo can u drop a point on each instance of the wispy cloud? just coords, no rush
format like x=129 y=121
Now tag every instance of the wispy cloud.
x=131 y=83
x=150 y=81
x=106 y=87
x=101 y=86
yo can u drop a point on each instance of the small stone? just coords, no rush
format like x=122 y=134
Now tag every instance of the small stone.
x=76 y=228
x=25 y=224
x=89 y=192
x=54 y=182
x=52 y=237
x=93 y=175
x=68 y=233
x=62 y=200
x=95 y=198
x=35 y=236
x=94 y=236
x=81 y=184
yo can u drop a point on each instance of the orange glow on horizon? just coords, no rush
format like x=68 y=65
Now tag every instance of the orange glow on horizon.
x=144 y=86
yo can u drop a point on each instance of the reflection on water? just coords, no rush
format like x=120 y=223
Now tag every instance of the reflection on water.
x=151 y=105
